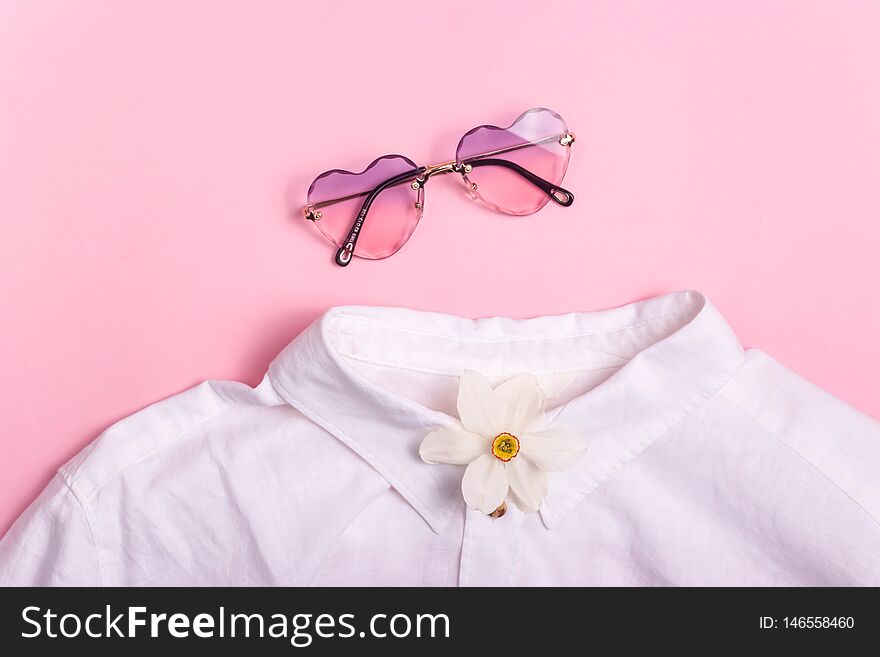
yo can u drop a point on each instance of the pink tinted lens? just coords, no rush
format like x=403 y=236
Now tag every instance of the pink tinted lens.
x=393 y=214
x=532 y=142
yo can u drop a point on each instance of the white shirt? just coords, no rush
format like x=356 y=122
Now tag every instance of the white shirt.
x=706 y=465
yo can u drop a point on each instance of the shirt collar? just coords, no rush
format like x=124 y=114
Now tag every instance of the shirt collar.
x=677 y=351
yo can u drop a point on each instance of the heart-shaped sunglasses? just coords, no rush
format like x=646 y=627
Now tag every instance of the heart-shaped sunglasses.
x=516 y=170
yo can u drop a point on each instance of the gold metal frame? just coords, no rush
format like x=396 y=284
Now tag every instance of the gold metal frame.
x=313 y=212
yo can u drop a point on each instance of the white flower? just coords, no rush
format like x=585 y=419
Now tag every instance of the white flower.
x=504 y=442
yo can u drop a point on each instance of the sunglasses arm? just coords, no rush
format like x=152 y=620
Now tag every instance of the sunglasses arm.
x=559 y=194
x=346 y=251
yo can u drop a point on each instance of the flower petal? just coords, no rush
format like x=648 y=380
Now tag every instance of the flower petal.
x=554 y=448
x=523 y=401
x=484 y=485
x=478 y=407
x=452 y=445
x=528 y=483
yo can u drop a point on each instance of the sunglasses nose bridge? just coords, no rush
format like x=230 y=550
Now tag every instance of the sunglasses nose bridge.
x=443 y=168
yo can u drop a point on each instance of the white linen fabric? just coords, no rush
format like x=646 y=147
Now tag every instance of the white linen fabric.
x=706 y=465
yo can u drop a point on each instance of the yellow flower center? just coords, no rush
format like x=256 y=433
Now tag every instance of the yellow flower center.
x=505 y=446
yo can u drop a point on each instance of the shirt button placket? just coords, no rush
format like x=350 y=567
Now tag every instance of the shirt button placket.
x=489 y=548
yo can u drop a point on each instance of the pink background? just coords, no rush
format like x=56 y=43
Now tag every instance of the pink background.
x=150 y=154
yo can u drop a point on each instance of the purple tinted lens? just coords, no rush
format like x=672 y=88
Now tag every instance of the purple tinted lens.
x=393 y=214
x=534 y=142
